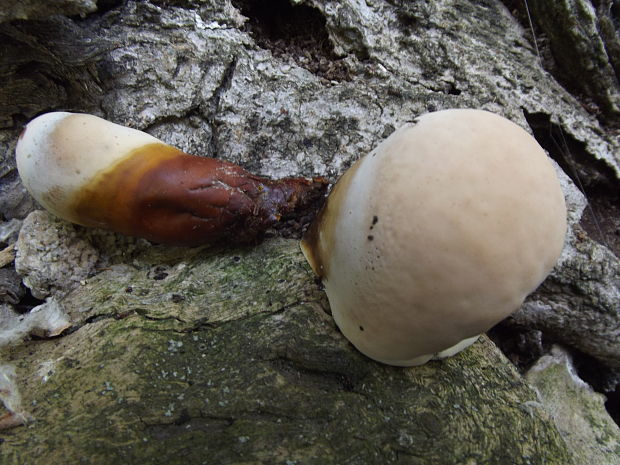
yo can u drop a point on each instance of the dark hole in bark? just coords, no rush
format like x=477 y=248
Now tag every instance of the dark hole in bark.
x=524 y=346
x=453 y=90
x=613 y=404
x=602 y=380
x=298 y=32
x=407 y=21
x=594 y=178
x=158 y=273
x=103 y=6
x=27 y=302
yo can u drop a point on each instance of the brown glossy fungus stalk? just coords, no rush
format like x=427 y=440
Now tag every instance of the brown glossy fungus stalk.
x=96 y=173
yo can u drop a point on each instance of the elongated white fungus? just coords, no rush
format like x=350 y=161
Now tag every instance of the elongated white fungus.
x=96 y=173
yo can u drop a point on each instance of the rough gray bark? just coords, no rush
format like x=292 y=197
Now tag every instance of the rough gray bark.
x=585 y=45
x=289 y=88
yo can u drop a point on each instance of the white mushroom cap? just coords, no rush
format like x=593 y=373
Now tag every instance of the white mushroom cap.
x=51 y=159
x=437 y=235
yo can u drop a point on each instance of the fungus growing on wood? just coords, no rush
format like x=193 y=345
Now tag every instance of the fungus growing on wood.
x=96 y=173
x=437 y=234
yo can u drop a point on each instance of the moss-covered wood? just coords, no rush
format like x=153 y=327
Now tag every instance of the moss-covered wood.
x=231 y=357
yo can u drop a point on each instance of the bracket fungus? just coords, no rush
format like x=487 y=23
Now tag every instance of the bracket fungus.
x=96 y=173
x=437 y=234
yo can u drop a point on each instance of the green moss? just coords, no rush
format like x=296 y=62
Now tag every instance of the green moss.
x=578 y=411
x=264 y=377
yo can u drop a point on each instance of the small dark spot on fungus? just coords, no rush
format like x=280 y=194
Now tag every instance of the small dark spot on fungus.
x=236 y=259
x=177 y=298
x=371 y=237
x=129 y=290
x=361 y=328
x=375 y=219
